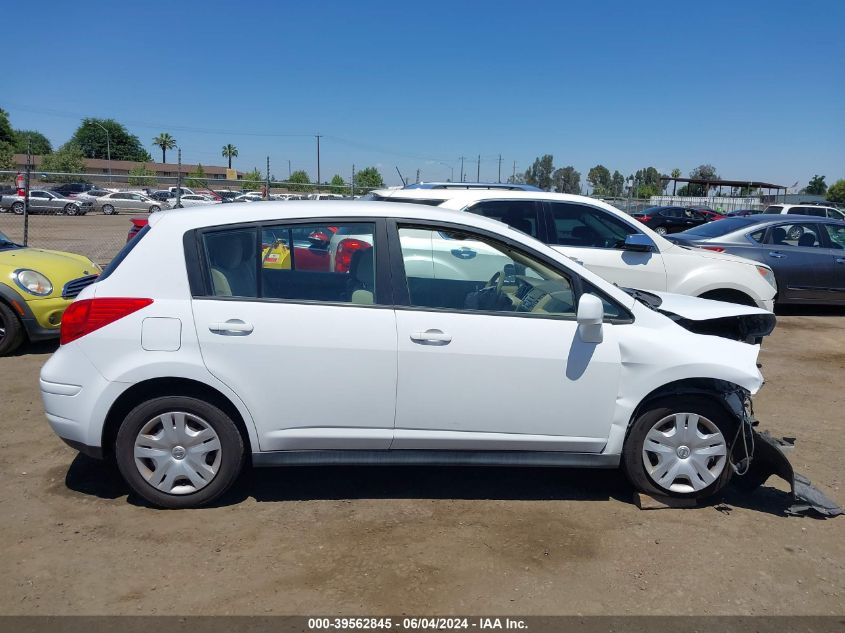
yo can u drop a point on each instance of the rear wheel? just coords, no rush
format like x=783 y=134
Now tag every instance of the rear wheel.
x=17 y=208
x=155 y=209
x=661 y=230
x=679 y=448
x=179 y=452
x=11 y=330
x=108 y=209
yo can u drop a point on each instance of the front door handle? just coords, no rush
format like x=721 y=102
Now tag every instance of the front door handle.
x=232 y=327
x=776 y=254
x=840 y=260
x=431 y=337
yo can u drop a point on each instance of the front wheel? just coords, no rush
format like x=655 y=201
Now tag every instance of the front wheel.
x=108 y=209
x=678 y=447
x=155 y=209
x=71 y=209
x=17 y=208
x=179 y=452
x=11 y=330
x=661 y=230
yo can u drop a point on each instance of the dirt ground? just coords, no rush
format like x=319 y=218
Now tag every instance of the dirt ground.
x=428 y=540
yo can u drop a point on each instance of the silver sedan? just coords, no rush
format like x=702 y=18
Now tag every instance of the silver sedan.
x=113 y=203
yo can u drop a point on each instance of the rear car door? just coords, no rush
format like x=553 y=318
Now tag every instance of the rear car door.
x=803 y=265
x=595 y=238
x=310 y=350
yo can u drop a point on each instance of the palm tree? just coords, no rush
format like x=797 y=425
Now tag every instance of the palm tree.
x=230 y=151
x=165 y=142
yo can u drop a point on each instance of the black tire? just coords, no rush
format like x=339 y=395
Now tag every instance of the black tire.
x=632 y=453
x=71 y=209
x=11 y=330
x=109 y=209
x=661 y=230
x=155 y=209
x=17 y=208
x=231 y=449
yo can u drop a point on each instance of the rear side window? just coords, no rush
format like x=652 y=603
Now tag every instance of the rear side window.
x=522 y=215
x=774 y=209
x=582 y=225
x=301 y=262
x=806 y=211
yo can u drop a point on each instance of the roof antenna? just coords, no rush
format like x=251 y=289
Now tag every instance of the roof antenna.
x=404 y=184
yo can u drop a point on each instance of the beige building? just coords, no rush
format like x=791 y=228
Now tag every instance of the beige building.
x=120 y=168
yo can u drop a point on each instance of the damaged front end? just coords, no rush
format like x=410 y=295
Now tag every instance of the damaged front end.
x=756 y=456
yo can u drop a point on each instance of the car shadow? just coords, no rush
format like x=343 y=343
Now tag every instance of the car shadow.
x=101 y=479
x=809 y=310
x=40 y=347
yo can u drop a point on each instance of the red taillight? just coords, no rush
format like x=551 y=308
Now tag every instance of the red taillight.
x=84 y=316
x=643 y=218
x=345 y=249
x=717 y=249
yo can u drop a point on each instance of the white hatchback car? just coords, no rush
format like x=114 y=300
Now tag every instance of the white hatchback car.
x=609 y=242
x=194 y=354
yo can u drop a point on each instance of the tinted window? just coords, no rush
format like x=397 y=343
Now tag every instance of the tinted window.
x=836 y=233
x=806 y=211
x=757 y=236
x=773 y=209
x=460 y=273
x=296 y=262
x=583 y=225
x=799 y=234
x=38 y=194
x=836 y=215
x=521 y=215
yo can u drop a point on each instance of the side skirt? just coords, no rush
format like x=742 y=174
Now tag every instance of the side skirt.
x=434 y=458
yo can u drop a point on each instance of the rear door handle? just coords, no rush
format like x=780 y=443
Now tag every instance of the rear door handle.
x=437 y=337
x=776 y=255
x=232 y=327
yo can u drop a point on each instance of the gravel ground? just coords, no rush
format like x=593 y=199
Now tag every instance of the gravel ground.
x=428 y=540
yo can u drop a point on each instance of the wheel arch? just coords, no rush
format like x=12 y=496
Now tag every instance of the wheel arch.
x=731 y=295
x=169 y=386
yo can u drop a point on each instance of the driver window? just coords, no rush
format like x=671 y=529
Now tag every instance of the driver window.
x=805 y=235
x=585 y=226
x=453 y=271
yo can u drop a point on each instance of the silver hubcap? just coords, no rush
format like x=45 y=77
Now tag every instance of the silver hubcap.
x=684 y=452
x=177 y=453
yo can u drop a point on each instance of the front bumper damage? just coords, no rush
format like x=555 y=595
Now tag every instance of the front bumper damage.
x=756 y=456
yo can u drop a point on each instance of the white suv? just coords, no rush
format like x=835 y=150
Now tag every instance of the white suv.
x=816 y=210
x=609 y=242
x=194 y=354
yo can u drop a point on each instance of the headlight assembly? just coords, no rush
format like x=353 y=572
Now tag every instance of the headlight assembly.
x=32 y=282
x=768 y=275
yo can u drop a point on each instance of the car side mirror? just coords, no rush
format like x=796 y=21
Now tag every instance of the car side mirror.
x=590 y=318
x=638 y=242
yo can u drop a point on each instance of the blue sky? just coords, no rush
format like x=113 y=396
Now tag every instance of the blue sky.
x=755 y=88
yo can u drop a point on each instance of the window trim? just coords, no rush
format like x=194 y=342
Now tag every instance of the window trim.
x=196 y=260
x=401 y=295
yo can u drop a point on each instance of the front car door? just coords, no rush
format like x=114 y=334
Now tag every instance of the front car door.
x=803 y=265
x=835 y=233
x=595 y=238
x=491 y=360
x=311 y=351
x=39 y=201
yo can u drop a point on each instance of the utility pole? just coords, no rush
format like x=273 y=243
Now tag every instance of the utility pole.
x=267 y=189
x=179 y=180
x=26 y=193
x=514 y=171
x=418 y=176
x=500 y=168
x=462 y=168
x=352 y=185
x=318 y=161
x=289 y=171
x=478 y=170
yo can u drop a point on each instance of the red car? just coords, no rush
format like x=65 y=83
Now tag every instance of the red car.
x=709 y=213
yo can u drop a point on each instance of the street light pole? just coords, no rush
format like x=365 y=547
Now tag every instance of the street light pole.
x=108 y=146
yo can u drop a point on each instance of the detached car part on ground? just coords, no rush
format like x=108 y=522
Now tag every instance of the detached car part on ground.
x=35 y=288
x=194 y=353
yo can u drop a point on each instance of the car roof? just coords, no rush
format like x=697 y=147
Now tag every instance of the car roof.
x=504 y=186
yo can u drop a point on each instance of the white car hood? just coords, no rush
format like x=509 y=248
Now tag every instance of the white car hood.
x=725 y=257
x=697 y=309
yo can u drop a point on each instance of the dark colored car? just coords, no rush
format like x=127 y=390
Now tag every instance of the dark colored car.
x=744 y=212
x=663 y=220
x=163 y=195
x=72 y=188
x=710 y=214
x=806 y=253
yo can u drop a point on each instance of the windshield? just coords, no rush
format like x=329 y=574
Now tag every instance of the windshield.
x=722 y=227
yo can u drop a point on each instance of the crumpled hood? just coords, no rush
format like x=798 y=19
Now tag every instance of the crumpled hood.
x=717 y=318
x=697 y=309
